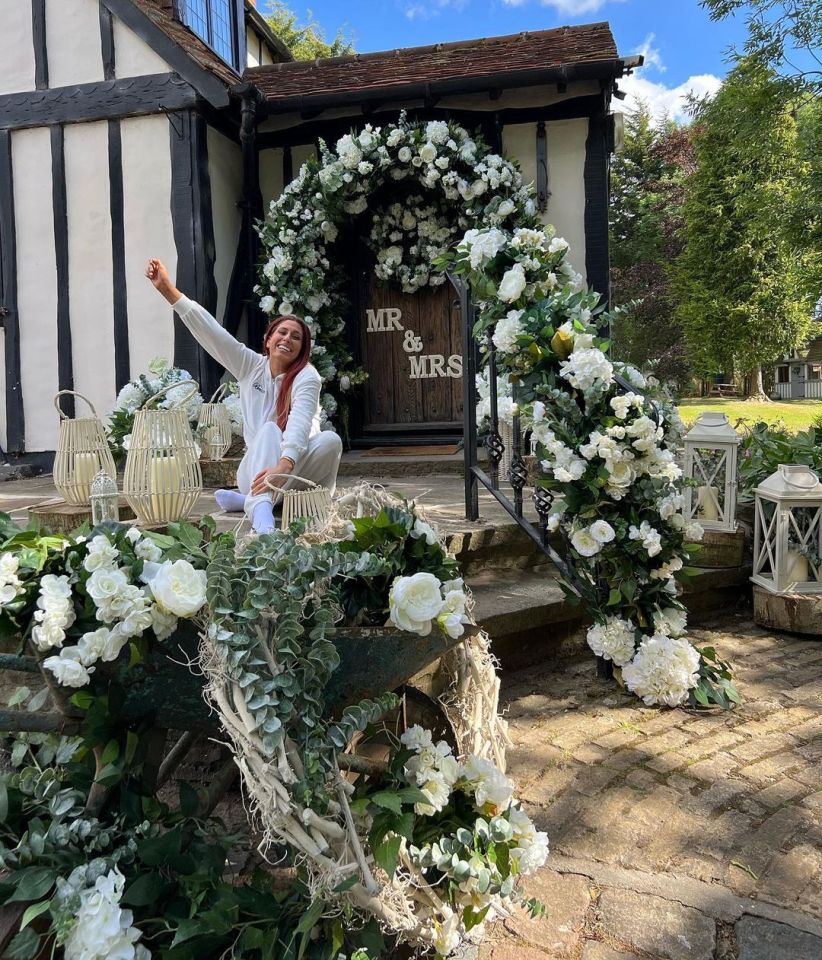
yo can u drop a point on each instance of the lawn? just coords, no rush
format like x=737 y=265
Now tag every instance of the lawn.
x=795 y=414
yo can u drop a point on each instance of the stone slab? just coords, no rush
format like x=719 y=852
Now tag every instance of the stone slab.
x=601 y=951
x=656 y=926
x=566 y=900
x=760 y=939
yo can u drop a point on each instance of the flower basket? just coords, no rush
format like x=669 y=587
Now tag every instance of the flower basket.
x=82 y=452
x=214 y=427
x=162 y=479
x=312 y=505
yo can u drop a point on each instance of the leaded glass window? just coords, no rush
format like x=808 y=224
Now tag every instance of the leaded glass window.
x=214 y=21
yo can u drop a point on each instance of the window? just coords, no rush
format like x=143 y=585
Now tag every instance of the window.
x=815 y=371
x=781 y=374
x=215 y=22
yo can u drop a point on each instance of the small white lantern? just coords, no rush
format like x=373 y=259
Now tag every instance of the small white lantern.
x=105 y=504
x=788 y=532
x=214 y=427
x=710 y=460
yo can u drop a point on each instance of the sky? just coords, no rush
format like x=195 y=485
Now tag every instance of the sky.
x=684 y=51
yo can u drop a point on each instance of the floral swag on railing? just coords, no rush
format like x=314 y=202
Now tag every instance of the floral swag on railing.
x=607 y=457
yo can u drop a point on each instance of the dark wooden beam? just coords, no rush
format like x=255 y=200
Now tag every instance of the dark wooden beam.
x=15 y=418
x=122 y=360
x=596 y=177
x=330 y=130
x=106 y=100
x=107 y=43
x=288 y=166
x=542 y=167
x=65 y=361
x=204 y=82
x=38 y=33
x=193 y=238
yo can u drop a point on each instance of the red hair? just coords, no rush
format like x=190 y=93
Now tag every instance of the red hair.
x=297 y=364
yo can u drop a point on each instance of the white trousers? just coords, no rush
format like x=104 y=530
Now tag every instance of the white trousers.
x=319 y=463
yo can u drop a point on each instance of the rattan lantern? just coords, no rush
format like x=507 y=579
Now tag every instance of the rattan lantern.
x=788 y=532
x=214 y=426
x=82 y=452
x=105 y=503
x=162 y=479
x=710 y=460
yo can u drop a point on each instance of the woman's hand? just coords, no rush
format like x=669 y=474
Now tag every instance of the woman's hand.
x=158 y=275
x=258 y=484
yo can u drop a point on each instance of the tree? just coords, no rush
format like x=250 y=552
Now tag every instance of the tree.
x=306 y=41
x=783 y=37
x=744 y=278
x=647 y=185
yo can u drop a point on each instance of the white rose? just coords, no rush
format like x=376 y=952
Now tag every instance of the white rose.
x=267 y=304
x=404 y=154
x=67 y=668
x=178 y=588
x=147 y=549
x=428 y=152
x=584 y=543
x=512 y=284
x=602 y=531
x=423 y=529
x=106 y=584
x=414 y=602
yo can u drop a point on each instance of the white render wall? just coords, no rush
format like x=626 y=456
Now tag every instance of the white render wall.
x=91 y=291
x=149 y=232
x=16 y=47
x=36 y=284
x=133 y=57
x=73 y=41
x=225 y=167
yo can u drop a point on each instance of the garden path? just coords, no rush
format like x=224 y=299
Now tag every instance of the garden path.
x=673 y=835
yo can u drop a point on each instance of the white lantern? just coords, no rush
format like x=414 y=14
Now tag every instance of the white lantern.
x=710 y=460
x=788 y=532
x=105 y=502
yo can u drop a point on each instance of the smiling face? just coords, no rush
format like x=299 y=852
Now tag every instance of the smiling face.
x=284 y=342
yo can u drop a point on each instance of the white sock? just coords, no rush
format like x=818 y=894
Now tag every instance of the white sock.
x=231 y=500
x=262 y=520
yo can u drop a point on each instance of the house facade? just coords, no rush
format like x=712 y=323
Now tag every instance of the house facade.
x=132 y=128
x=799 y=377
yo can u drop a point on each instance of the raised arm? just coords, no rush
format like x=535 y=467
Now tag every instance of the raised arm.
x=238 y=359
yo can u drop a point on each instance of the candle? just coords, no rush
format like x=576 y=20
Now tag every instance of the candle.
x=213 y=443
x=797 y=567
x=707 y=503
x=86 y=466
x=164 y=487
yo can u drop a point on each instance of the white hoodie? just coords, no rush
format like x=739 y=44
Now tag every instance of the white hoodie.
x=258 y=389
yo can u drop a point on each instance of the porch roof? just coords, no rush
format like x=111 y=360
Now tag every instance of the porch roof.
x=587 y=51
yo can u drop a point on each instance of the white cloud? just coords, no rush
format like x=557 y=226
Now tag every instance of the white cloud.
x=426 y=9
x=570 y=8
x=653 y=57
x=662 y=100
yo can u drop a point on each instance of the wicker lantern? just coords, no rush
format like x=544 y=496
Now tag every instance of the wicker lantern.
x=788 y=532
x=162 y=480
x=710 y=460
x=214 y=427
x=82 y=452
x=105 y=504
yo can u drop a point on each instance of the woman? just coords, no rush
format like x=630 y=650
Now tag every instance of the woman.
x=279 y=399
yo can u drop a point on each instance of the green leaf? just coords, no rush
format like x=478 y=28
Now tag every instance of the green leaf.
x=20 y=695
x=472 y=918
x=110 y=753
x=34 y=911
x=614 y=598
x=82 y=699
x=145 y=889
x=189 y=800
x=4 y=802
x=388 y=800
x=39 y=700
x=132 y=742
x=387 y=854
x=31 y=883
x=25 y=946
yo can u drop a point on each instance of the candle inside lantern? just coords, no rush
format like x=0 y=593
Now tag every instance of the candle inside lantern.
x=213 y=443
x=164 y=486
x=707 y=503
x=86 y=466
x=796 y=567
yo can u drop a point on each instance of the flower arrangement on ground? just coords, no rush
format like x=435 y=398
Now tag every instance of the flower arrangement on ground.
x=606 y=444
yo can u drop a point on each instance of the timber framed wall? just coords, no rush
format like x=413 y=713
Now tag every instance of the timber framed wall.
x=105 y=133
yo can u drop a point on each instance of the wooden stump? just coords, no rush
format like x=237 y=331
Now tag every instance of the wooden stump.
x=220 y=473
x=720 y=549
x=62 y=517
x=793 y=613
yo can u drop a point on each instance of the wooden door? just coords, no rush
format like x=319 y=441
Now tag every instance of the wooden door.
x=411 y=348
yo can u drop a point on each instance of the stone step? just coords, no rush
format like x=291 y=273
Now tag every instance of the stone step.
x=359 y=465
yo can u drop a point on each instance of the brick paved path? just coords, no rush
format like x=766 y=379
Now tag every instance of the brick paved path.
x=673 y=835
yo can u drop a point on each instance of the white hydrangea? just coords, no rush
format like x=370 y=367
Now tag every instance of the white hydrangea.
x=664 y=670
x=513 y=284
x=672 y=621
x=587 y=368
x=482 y=246
x=102 y=930
x=507 y=330
x=487 y=782
x=614 y=640
x=130 y=398
x=650 y=537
